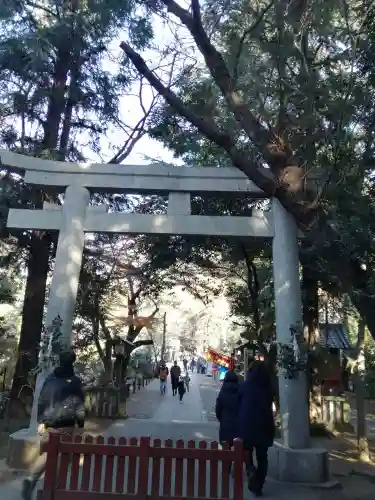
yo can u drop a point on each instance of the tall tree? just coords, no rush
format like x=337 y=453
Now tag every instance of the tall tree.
x=285 y=93
x=60 y=94
x=111 y=299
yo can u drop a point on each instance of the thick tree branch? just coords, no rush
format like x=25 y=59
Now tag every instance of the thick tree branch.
x=141 y=343
x=205 y=125
x=275 y=152
x=138 y=131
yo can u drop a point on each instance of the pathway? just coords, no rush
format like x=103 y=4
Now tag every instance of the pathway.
x=193 y=419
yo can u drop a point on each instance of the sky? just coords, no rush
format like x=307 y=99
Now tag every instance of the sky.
x=148 y=149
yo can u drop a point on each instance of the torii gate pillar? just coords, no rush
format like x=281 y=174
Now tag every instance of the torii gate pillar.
x=64 y=283
x=288 y=311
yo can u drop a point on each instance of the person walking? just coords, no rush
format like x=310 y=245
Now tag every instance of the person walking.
x=60 y=409
x=185 y=363
x=256 y=426
x=187 y=381
x=226 y=408
x=215 y=370
x=163 y=376
x=181 y=388
x=175 y=375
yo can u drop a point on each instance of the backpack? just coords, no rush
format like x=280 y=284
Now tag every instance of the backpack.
x=163 y=373
x=61 y=404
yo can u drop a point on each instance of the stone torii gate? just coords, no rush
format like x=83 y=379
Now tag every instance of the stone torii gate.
x=294 y=460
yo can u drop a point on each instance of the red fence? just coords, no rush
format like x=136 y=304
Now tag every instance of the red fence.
x=132 y=469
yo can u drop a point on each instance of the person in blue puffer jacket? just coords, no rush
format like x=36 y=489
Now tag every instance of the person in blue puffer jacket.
x=227 y=406
x=60 y=409
x=256 y=426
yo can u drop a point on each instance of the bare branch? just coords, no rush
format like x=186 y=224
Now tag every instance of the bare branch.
x=204 y=124
x=138 y=131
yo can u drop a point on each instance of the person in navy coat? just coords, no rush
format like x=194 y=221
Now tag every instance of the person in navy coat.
x=256 y=426
x=227 y=405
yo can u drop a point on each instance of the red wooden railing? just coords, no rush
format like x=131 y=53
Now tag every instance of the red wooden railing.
x=132 y=469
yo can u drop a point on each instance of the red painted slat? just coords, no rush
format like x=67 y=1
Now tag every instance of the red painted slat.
x=120 y=475
x=109 y=468
x=238 y=470
x=64 y=463
x=225 y=474
x=98 y=465
x=132 y=469
x=74 y=474
x=155 y=479
x=214 y=470
x=167 y=483
x=143 y=469
x=202 y=472
x=52 y=459
x=179 y=471
x=190 y=473
x=86 y=469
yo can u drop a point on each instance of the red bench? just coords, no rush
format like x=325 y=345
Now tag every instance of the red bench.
x=132 y=469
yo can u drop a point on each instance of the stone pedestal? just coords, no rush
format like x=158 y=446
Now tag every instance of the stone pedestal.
x=23 y=448
x=308 y=465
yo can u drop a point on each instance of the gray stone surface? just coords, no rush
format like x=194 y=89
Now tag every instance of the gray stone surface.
x=23 y=448
x=143 y=404
x=294 y=416
x=302 y=466
x=209 y=391
x=140 y=179
x=125 y=223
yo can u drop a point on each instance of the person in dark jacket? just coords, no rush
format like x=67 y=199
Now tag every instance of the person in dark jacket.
x=226 y=409
x=256 y=426
x=181 y=388
x=60 y=409
x=175 y=375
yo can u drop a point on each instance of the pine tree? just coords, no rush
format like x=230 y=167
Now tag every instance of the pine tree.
x=60 y=93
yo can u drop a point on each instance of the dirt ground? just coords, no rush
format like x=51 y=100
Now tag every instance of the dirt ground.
x=357 y=478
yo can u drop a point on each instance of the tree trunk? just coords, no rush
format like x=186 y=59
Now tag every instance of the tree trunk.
x=39 y=249
x=310 y=313
x=162 y=354
x=362 y=443
x=32 y=321
x=108 y=363
x=118 y=371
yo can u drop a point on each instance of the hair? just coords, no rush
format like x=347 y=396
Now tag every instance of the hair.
x=231 y=376
x=67 y=358
x=258 y=366
x=261 y=371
